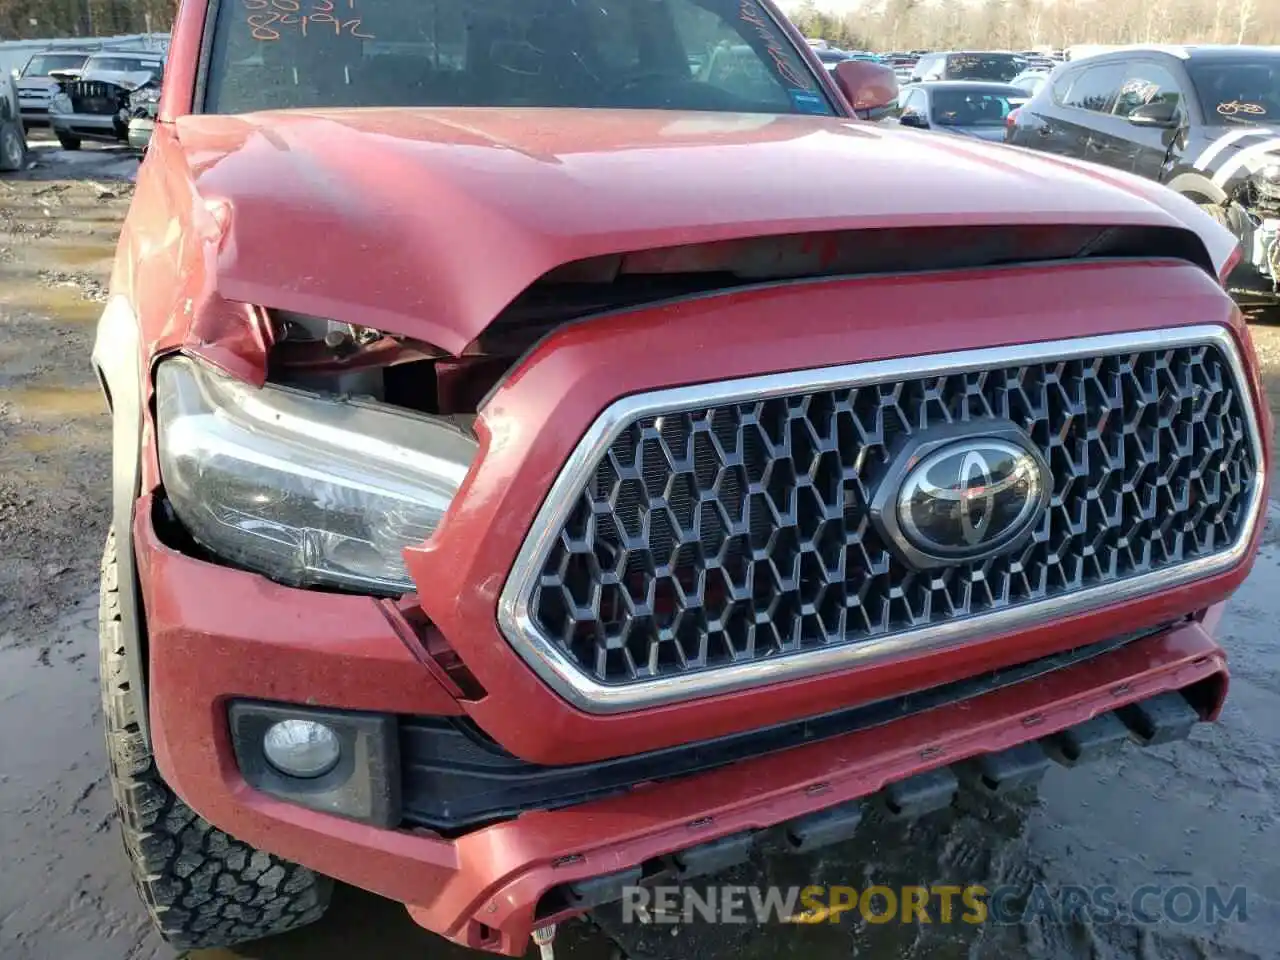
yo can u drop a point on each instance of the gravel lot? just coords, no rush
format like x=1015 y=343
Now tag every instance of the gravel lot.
x=1201 y=813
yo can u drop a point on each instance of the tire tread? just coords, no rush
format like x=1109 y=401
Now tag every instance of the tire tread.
x=201 y=886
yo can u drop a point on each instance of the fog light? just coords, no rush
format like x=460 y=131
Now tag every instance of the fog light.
x=301 y=748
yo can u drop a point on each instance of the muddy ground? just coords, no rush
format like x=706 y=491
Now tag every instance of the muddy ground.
x=1203 y=813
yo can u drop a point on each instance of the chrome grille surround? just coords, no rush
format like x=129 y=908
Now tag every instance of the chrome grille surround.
x=555 y=662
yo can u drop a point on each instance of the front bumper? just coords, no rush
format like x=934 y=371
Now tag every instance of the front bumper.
x=89 y=126
x=33 y=114
x=140 y=131
x=489 y=888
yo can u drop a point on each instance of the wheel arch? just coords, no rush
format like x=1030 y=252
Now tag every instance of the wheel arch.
x=1195 y=186
x=117 y=361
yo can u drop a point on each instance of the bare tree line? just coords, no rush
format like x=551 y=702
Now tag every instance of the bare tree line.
x=1023 y=24
x=44 y=19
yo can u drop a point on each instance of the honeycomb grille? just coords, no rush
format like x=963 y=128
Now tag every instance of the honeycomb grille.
x=740 y=532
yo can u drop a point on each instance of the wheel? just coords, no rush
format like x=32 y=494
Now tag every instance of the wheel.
x=69 y=142
x=202 y=887
x=13 y=147
x=1219 y=213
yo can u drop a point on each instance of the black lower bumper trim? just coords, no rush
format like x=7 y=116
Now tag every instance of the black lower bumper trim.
x=1161 y=719
x=455 y=779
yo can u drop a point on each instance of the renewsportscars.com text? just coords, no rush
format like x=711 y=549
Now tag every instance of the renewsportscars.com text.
x=939 y=903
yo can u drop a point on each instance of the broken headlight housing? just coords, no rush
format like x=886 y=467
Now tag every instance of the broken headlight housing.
x=1266 y=187
x=308 y=489
x=144 y=101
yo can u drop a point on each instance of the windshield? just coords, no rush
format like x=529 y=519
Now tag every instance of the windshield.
x=984 y=66
x=648 y=54
x=973 y=108
x=123 y=65
x=42 y=63
x=1238 y=91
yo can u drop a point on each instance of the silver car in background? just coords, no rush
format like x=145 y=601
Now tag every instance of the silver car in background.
x=1031 y=80
x=97 y=105
x=38 y=81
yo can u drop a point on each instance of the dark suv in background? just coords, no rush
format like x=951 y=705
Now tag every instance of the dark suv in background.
x=996 y=66
x=1204 y=120
x=13 y=143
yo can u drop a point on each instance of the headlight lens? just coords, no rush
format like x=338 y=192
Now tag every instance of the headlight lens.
x=61 y=103
x=144 y=96
x=307 y=489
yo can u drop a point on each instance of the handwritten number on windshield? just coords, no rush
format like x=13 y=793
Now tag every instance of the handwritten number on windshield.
x=751 y=13
x=1233 y=107
x=266 y=17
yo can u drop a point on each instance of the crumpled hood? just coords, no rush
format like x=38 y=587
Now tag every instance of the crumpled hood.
x=429 y=222
x=129 y=79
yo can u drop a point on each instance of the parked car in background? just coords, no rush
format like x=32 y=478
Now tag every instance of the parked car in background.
x=830 y=56
x=38 y=81
x=902 y=64
x=1204 y=120
x=1031 y=80
x=96 y=105
x=13 y=141
x=994 y=66
x=575 y=473
x=969 y=108
x=1037 y=61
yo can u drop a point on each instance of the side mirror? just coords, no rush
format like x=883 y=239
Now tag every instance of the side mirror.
x=1161 y=115
x=913 y=119
x=868 y=86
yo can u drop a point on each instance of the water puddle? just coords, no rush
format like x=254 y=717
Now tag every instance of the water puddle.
x=60 y=403
x=65 y=303
x=80 y=254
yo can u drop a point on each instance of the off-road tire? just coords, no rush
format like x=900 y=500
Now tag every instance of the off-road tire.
x=69 y=143
x=202 y=887
x=13 y=146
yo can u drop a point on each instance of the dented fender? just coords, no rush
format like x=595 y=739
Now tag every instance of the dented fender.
x=117 y=360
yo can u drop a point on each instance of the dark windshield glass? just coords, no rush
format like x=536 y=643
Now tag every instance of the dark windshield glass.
x=655 y=54
x=42 y=63
x=984 y=66
x=1244 y=91
x=973 y=108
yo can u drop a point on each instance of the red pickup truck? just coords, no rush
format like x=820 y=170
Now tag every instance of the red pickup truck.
x=543 y=466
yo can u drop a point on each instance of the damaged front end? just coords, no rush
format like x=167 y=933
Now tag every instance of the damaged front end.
x=315 y=451
x=1254 y=216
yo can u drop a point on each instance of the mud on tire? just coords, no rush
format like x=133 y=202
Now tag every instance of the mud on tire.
x=202 y=887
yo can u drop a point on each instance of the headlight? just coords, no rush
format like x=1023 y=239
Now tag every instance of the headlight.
x=145 y=95
x=307 y=489
x=60 y=103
